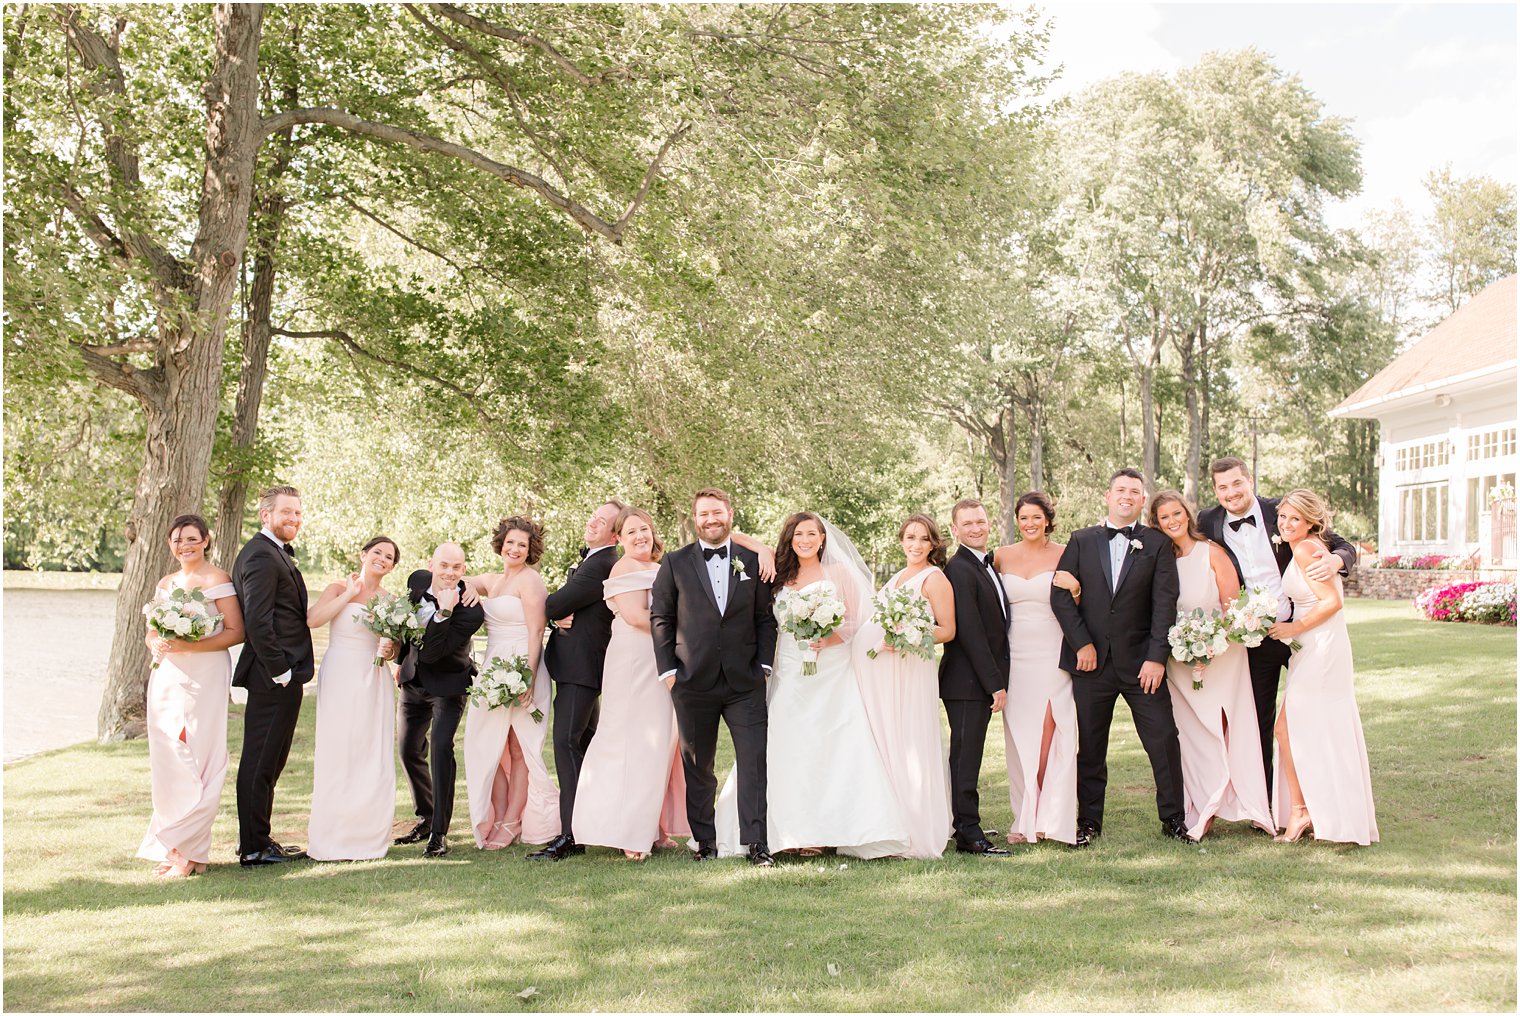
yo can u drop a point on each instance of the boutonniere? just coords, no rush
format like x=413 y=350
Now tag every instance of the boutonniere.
x=1135 y=546
x=737 y=566
x=1276 y=540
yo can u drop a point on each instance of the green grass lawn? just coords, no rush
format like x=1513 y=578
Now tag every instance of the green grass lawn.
x=1424 y=920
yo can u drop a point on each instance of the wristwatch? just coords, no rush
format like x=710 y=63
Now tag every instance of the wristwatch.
x=444 y=615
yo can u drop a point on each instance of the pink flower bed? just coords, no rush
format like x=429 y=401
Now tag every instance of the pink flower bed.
x=1479 y=602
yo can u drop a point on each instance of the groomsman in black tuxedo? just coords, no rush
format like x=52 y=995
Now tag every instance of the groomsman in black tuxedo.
x=714 y=642
x=1246 y=526
x=434 y=679
x=1115 y=644
x=577 y=649
x=276 y=661
x=973 y=673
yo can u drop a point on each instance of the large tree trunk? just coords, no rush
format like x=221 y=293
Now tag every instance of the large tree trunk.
x=1188 y=350
x=1036 y=447
x=181 y=405
x=1149 y=425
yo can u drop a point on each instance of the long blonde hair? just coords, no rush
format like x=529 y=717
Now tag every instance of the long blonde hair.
x=1314 y=509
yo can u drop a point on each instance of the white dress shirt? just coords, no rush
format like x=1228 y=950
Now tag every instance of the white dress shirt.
x=1252 y=546
x=283 y=679
x=718 y=571
x=1116 y=551
x=986 y=560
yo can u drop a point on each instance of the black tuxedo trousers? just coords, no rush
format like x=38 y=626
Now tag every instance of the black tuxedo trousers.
x=1096 y=693
x=697 y=713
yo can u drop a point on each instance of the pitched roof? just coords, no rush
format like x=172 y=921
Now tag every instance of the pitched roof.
x=1478 y=338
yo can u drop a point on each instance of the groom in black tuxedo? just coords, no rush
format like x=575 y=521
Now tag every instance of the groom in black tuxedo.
x=973 y=673
x=434 y=679
x=1244 y=525
x=574 y=658
x=714 y=642
x=1115 y=644
x=274 y=665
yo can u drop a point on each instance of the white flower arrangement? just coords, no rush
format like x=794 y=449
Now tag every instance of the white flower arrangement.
x=1276 y=540
x=185 y=614
x=808 y=614
x=907 y=623
x=1135 y=546
x=1249 y=617
x=737 y=566
x=393 y=617
x=505 y=683
x=1197 y=638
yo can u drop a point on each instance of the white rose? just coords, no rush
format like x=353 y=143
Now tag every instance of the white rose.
x=183 y=626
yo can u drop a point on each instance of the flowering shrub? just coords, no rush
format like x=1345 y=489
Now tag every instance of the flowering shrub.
x=1480 y=602
x=1424 y=562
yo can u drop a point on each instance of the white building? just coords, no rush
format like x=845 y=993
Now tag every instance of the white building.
x=1447 y=414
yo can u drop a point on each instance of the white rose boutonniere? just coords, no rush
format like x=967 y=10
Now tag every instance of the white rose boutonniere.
x=1135 y=546
x=737 y=566
x=1276 y=540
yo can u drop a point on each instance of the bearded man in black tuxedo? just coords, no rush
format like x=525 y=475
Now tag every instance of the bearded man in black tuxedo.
x=1115 y=645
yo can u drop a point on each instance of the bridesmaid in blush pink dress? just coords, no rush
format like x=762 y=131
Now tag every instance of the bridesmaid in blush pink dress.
x=353 y=793
x=632 y=790
x=900 y=692
x=1217 y=732
x=1040 y=719
x=512 y=796
x=187 y=713
x=1322 y=771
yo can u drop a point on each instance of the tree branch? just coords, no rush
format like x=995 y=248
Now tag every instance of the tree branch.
x=563 y=62
x=583 y=216
x=93 y=225
x=649 y=176
x=140 y=384
x=123 y=348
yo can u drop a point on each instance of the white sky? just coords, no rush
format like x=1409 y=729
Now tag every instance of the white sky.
x=1423 y=84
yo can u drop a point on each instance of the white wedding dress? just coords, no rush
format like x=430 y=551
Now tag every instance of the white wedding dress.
x=826 y=783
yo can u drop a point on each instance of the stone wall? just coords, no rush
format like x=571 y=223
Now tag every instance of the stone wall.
x=1407 y=583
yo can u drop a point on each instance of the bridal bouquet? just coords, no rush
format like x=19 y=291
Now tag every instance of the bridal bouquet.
x=1197 y=638
x=1249 y=617
x=185 y=614
x=808 y=614
x=392 y=617
x=907 y=623
x=505 y=683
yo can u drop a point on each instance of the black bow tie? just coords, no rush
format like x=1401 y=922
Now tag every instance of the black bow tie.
x=584 y=552
x=1249 y=520
x=289 y=549
x=708 y=553
x=1128 y=532
x=985 y=560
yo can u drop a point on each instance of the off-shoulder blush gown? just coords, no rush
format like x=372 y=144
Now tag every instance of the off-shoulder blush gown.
x=1217 y=731
x=900 y=693
x=485 y=742
x=826 y=784
x=187 y=746
x=1037 y=686
x=353 y=794
x=1325 y=728
x=632 y=789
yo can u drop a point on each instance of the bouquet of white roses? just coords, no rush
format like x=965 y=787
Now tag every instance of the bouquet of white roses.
x=185 y=614
x=907 y=623
x=1249 y=617
x=393 y=617
x=1197 y=638
x=505 y=683
x=808 y=614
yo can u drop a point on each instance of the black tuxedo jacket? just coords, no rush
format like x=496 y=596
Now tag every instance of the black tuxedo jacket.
x=1128 y=624
x=1212 y=522
x=272 y=595
x=697 y=642
x=975 y=662
x=442 y=665
x=576 y=655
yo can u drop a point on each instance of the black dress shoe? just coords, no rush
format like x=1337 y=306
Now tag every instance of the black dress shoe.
x=983 y=847
x=269 y=855
x=559 y=848
x=437 y=846
x=421 y=831
x=291 y=853
x=1176 y=828
x=1086 y=833
x=705 y=852
x=760 y=857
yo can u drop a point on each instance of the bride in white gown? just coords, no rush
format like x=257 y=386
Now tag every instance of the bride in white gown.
x=827 y=786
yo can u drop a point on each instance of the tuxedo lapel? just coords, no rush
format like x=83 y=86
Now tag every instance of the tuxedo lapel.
x=698 y=569
x=290 y=565
x=1215 y=531
x=734 y=580
x=1124 y=568
x=1280 y=551
x=1102 y=533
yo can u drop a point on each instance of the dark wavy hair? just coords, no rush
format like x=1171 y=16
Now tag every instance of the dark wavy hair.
x=372 y=544
x=937 y=555
x=522 y=524
x=194 y=522
x=627 y=512
x=1042 y=501
x=1169 y=497
x=787 y=562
